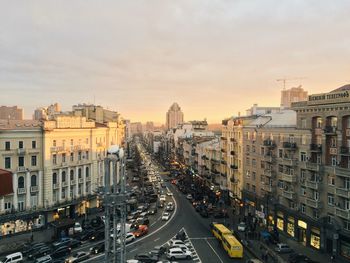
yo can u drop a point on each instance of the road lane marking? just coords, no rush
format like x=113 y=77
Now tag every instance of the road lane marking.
x=199 y=238
x=215 y=251
x=133 y=250
x=156 y=239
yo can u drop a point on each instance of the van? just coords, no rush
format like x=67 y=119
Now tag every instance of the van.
x=15 y=257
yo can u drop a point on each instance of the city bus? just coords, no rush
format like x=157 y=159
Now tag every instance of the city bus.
x=219 y=230
x=232 y=246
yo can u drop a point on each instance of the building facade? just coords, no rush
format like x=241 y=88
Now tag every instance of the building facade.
x=174 y=116
x=11 y=113
x=291 y=95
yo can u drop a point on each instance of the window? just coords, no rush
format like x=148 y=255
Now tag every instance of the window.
x=303 y=156
x=303 y=208
x=71 y=142
x=87 y=140
x=248 y=148
x=280 y=184
x=248 y=161
x=347 y=183
x=54 y=159
x=87 y=155
x=54 y=143
x=303 y=123
x=63 y=143
x=331 y=180
x=316 y=195
x=254 y=162
x=72 y=157
x=79 y=155
x=316 y=213
x=63 y=157
x=333 y=142
x=7 y=162
x=303 y=139
x=346 y=225
x=334 y=160
x=20 y=144
x=79 y=173
x=253 y=149
x=33 y=144
x=87 y=172
x=8 y=205
x=33 y=160
x=280 y=153
x=63 y=176
x=71 y=174
x=20 y=161
x=54 y=178
x=253 y=188
x=7 y=146
x=33 y=180
x=330 y=199
x=262 y=151
x=302 y=176
x=248 y=186
x=303 y=191
x=20 y=181
x=253 y=175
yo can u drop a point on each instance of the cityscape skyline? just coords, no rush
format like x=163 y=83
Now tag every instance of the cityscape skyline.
x=141 y=58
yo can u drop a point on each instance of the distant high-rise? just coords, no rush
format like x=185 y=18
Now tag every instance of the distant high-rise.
x=174 y=116
x=12 y=113
x=292 y=95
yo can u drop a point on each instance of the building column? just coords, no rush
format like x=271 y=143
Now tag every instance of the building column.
x=15 y=187
x=59 y=185
x=2 y=204
x=84 y=178
x=41 y=189
x=27 y=186
x=77 y=182
x=68 y=178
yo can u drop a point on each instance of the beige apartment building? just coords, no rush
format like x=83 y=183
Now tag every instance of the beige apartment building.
x=174 y=116
x=12 y=113
x=297 y=173
x=56 y=166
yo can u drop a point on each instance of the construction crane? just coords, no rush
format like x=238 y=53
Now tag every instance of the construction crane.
x=288 y=79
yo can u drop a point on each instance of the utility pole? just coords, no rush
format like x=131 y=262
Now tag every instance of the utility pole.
x=114 y=199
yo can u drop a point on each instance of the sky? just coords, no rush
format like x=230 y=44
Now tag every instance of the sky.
x=214 y=58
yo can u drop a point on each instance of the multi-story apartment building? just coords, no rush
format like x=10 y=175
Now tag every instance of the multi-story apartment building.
x=288 y=96
x=56 y=167
x=174 y=116
x=12 y=113
x=297 y=171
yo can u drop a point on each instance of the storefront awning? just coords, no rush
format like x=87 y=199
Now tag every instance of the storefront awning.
x=6 y=187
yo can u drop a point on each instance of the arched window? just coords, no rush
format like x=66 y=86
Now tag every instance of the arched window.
x=63 y=176
x=71 y=175
x=21 y=182
x=79 y=173
x=87 y=171
x=33 y=180
x=54 y=178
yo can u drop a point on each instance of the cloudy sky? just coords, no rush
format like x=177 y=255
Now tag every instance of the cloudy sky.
x=213 y=57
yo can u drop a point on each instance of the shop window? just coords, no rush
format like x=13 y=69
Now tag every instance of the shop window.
x=280 y=223
x=315 y=238
x=290 y=226
x=20 y=182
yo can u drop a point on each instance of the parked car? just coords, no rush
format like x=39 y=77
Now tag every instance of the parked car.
x=77 y=228
x=146 y=258
x=44 y=259
x=169 y=194
x=61 y=243
x=283 y=248
x=157 y=251
x=78 y=257
x=100 y=235
x=43 y=251
x=85 y=235
x=220 y=214
x=204 y=213
x=12 y=258
x=74 y=243
x=165 y=216
x=189 y=197
x=182 y=246
x=129 y=237
x=175 y=242
x=242 y=227
x=162 y=198
x=178 y=253
x=29 y=248
x=61 y=252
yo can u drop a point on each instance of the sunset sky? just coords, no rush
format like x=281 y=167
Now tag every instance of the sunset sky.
x=214 y=58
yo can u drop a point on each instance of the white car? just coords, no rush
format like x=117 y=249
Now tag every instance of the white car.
x=178 y=253
x=169 y=194
x=189 y=197
x=165 y=216
x=77 y=257
x=130 y=237
x=77 y=228
x=162 y=198
x=242 y=227
x=176 y=242
x=182 y=246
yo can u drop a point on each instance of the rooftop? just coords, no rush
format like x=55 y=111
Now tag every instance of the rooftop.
x=342 y=88
x=20 y=125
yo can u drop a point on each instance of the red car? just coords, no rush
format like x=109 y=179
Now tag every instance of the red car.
x=142 y=230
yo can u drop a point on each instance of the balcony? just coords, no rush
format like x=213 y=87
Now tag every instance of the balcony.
x=269 y=143
x=330 y=130
x=313 y=203
x=266 y=188
x=21 y=191
x=57 y=149
x=21 y=169
x=343 y=192
x=288 y=162
x=232 y=139
x=72 y=182
x=345 y=150
x=223 y=162
x=56 y=186
x=88 y=178
x=81 y=180
x=268 y=158
x=100 y=144
x=234 y=167
x=316 y=148
x=288 y=194
x=223 y=138
x=312 y=166
x=312 y=184
x=340 y=171
x=289 y=178
x=289 y=145
x=21 y=151
x=64 y=184
x=345 y=214
x=34 y=189
x=269 y=173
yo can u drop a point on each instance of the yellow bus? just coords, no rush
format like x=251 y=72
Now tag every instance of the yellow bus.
x=232 y=246
x=219 y=230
